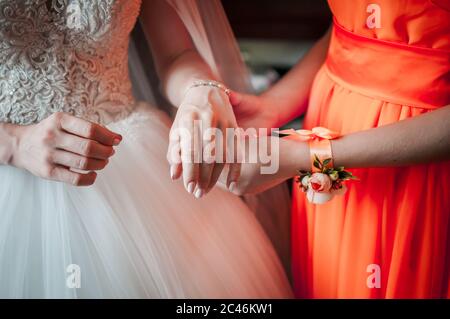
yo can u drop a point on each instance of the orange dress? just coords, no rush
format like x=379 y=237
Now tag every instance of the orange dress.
x=386 y=62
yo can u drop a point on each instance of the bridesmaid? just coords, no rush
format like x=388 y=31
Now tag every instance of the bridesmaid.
x=380 y=79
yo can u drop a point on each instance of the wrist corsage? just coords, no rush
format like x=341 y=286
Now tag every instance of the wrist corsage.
x=324 y=181
x=323 y=185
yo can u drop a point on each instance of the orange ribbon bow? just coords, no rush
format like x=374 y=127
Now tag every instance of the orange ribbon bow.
x=308 y=135
x=319 y=143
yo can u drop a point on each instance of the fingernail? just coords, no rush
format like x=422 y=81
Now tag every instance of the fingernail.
x=191 y=187
x=116 y=141
x=113 y=152
x=232 y=186
x=198 y=193
x=172 y=172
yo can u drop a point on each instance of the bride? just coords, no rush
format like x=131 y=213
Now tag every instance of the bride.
x=68 y=119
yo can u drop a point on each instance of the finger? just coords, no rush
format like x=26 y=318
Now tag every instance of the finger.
x=219 y=155
x=63 y=174
x=176 y=171
x=237 y=101
x=217 y=171
x=234 y=144
x=84 y=147
x=208 y=160
x=235 y=98
x=174 y=154
x=190 y=153
x=205 y=172
x=233 y=175
x=89 y=130
x=76 y=161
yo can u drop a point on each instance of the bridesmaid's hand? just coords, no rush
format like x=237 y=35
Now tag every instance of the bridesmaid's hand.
x=277 y=160
x=53 y=148
x=253 y=111
x=189 y=152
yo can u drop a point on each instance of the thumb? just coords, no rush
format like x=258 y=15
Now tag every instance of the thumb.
x=235 y=98
x=239 y=102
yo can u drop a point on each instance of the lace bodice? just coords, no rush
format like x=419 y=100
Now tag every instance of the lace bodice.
x=65 y=55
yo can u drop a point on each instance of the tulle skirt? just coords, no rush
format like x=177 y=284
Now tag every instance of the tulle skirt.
x=133 y=234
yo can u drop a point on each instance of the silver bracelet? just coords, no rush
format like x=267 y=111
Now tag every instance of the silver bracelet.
x=210 y=83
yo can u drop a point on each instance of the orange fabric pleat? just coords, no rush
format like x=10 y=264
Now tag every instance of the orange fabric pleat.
x=397 y=218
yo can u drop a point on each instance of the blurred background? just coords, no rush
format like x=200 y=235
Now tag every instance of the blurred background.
x=273 y=35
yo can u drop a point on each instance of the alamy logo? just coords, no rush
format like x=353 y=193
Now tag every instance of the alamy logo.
x=74 y=278
x=374 y=19
x=374 y=279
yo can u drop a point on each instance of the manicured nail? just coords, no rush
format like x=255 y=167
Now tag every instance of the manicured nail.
x=172 y=172
x=198 y=193
x=232 y=186
x=113 y=152
x=116 y=141
x=191 y=187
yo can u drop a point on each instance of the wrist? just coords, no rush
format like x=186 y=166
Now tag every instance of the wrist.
x=189 y=83
x=271 y=106
x=205 y=96
x=294 y=156
x=210 y=84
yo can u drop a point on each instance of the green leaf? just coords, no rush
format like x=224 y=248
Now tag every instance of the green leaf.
x=317 y=164
x=326 y=162
x=316 y=158
x=302 y=174
x=344 y=174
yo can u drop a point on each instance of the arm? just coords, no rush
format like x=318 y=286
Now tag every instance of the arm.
x=177 y=61
x=422 y=139
x=292 y=91
x=288 y=98
x=179 y=64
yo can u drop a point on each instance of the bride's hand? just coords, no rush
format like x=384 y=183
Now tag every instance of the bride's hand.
x=60 y=143
x=202 y=108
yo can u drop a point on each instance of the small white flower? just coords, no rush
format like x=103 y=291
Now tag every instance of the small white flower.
x=334 y=176
x=305 y=181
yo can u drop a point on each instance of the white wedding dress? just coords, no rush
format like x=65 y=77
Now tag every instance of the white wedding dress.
x=134 y=233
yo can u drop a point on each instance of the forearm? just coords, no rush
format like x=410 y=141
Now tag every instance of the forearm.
x=180 y=74
x=290 y=95
x=422 y=139
x=8 y=142
x=176 y=59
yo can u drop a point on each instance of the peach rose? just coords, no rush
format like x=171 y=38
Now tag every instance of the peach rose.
x=320 y=182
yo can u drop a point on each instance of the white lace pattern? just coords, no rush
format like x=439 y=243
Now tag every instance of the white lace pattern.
x=65 y=55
